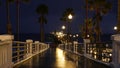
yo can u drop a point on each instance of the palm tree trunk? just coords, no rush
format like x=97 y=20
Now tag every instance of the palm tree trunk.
x=118 y=24
x=18 y=16
x=42 y=29
x=86 y=32
x=9 y=30
x=98 y=26
x=41 y=32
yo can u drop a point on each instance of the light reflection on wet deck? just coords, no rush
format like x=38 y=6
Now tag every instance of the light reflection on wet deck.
x=57 y=58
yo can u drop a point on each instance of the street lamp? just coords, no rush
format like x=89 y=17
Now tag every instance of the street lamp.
x=63 y=27
x=115 y=28
x=88 y=35
x=70 y=16
x=77 y=35
x=68 y=28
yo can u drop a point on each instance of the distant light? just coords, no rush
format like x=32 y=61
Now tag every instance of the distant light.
x=88 y=35
x=74 y=36
x=63 y=27
x=70 y=35
x=77 y=35
x=70 y=16
x=58 y=36
x=115 y=27
x=110 y=54
x=60 y=33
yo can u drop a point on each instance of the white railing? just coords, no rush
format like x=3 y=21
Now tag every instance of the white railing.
x=99 y=52
x=15 y=52
x=25 y=50
x=6 y=51
x=76 y=48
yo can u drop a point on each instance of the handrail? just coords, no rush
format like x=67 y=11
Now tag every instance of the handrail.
x=25 y=50
x=93 y=51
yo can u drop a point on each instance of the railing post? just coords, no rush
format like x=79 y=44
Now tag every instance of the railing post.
x=116 y=50
x=47 y=46
x=6 y=51
x=41 y=46
x=85 y=45
x=65 y=46
x=75 y=47
x=37 y=46
x=29 y=46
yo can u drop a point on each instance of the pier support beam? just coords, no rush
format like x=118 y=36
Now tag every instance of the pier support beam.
x=116 y=50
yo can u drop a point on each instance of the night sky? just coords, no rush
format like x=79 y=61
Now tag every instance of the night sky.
x=29 y=17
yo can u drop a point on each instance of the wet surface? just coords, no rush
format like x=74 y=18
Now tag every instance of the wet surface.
x=57 y=58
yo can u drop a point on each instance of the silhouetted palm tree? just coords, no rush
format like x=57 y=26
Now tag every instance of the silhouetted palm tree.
x=42 y=10
x=18 y=15
x=101 y=7
x=0 y=3
x=118 y=24
x=9 y=26
x=90 y=30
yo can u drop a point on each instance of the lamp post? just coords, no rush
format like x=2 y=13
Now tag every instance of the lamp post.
x=68 y=29
x=115 y=27
x=70 y=16
x=86 y=24
x=63 y=27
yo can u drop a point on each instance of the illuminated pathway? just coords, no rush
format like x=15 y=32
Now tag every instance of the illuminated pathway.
x=57 y=58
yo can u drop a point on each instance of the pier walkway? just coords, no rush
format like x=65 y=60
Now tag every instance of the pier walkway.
x=35 y=54
x=57 y=58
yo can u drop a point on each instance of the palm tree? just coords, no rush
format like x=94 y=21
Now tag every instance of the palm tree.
x=118 y=24
x=42 y=10
x=64 y=18
x=90 y=33
x=101 y=7
x=18 y=15
x=9 y=27
x=0 y=3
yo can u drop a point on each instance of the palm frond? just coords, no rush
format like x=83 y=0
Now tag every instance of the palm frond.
x=42 y=9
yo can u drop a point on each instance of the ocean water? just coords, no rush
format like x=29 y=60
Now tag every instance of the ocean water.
x=36 y=37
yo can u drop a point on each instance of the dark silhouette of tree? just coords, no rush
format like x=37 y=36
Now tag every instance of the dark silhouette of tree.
x=9 y=26
x=118 y=24
x=42 y=10
x=17 y=15
x=90 y=30
x=101 y=7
